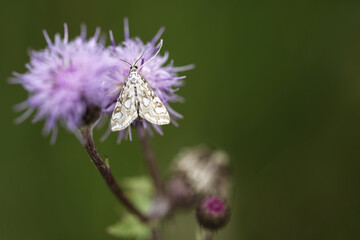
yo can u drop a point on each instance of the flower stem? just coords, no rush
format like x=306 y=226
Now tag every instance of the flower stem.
x=150 y=160
x=208 y=235
x=155 y=234
x=105 y=172
x=203 y=234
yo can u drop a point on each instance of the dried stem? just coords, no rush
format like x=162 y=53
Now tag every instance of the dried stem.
x=150 y=160
x=106 y=173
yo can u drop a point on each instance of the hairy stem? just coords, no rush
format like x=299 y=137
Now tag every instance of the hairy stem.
x=106 y=174
x=150 y=160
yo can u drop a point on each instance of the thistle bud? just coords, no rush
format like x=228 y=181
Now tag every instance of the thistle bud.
x=212 y=213
x=205 y=170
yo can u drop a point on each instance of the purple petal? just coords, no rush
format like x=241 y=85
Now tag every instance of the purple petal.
x=158 y=129
x=112 y=39
x=54 y=135
x=24 y=116
x=126 y=29
x=97 y=33
x=66 y=34
x=129 y=133
x=106 y=134
x=83 y=32
x=47 y=38
x=184 y=68
x=157 y=36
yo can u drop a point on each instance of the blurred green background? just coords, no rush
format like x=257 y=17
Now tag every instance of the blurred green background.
x=276 y=84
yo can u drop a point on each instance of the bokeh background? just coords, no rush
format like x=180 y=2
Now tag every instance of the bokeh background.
x=276 y=85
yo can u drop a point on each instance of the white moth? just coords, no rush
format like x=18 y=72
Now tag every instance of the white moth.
x=137 y=99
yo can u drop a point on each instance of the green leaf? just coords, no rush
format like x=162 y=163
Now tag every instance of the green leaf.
x=140 y=191
x=130 y=228
x=140 y=184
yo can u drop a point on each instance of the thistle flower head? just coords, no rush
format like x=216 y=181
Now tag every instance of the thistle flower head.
x=66 y=82
x=163 y=79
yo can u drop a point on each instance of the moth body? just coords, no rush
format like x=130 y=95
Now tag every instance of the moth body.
x=137 y=99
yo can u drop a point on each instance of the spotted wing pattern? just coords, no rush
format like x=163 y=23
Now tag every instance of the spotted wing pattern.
x=125 y=111
x=150 y=106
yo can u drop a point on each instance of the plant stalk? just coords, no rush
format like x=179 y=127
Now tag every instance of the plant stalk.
x=105 y=172
x=150 y=160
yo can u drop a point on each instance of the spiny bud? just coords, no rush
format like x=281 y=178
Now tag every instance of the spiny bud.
x=212 y=213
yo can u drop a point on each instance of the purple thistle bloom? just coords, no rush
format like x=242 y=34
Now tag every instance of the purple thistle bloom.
x=214 y=206
x=163 y=79
x=66 y=82
x=212 y=213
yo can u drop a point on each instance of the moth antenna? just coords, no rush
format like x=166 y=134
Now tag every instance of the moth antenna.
x=112 y=54
x=157 y=52
x=121 y=59
x=139 y=58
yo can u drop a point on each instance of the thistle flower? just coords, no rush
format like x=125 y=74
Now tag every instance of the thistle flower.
x=163 y=79
x=66 y=82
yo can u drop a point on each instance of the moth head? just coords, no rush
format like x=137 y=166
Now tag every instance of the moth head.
x=133 y=68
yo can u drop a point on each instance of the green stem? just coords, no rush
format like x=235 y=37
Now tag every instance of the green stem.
x=208 y=235
x=203 y=234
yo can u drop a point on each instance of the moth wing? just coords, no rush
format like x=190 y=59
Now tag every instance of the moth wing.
x=125 y=109
x=150 y=106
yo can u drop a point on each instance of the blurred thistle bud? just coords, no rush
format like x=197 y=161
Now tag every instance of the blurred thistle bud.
x=212 y=213
x=205 y=170
x=179 y=192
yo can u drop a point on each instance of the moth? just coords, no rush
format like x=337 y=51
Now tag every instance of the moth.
x=138 y=100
